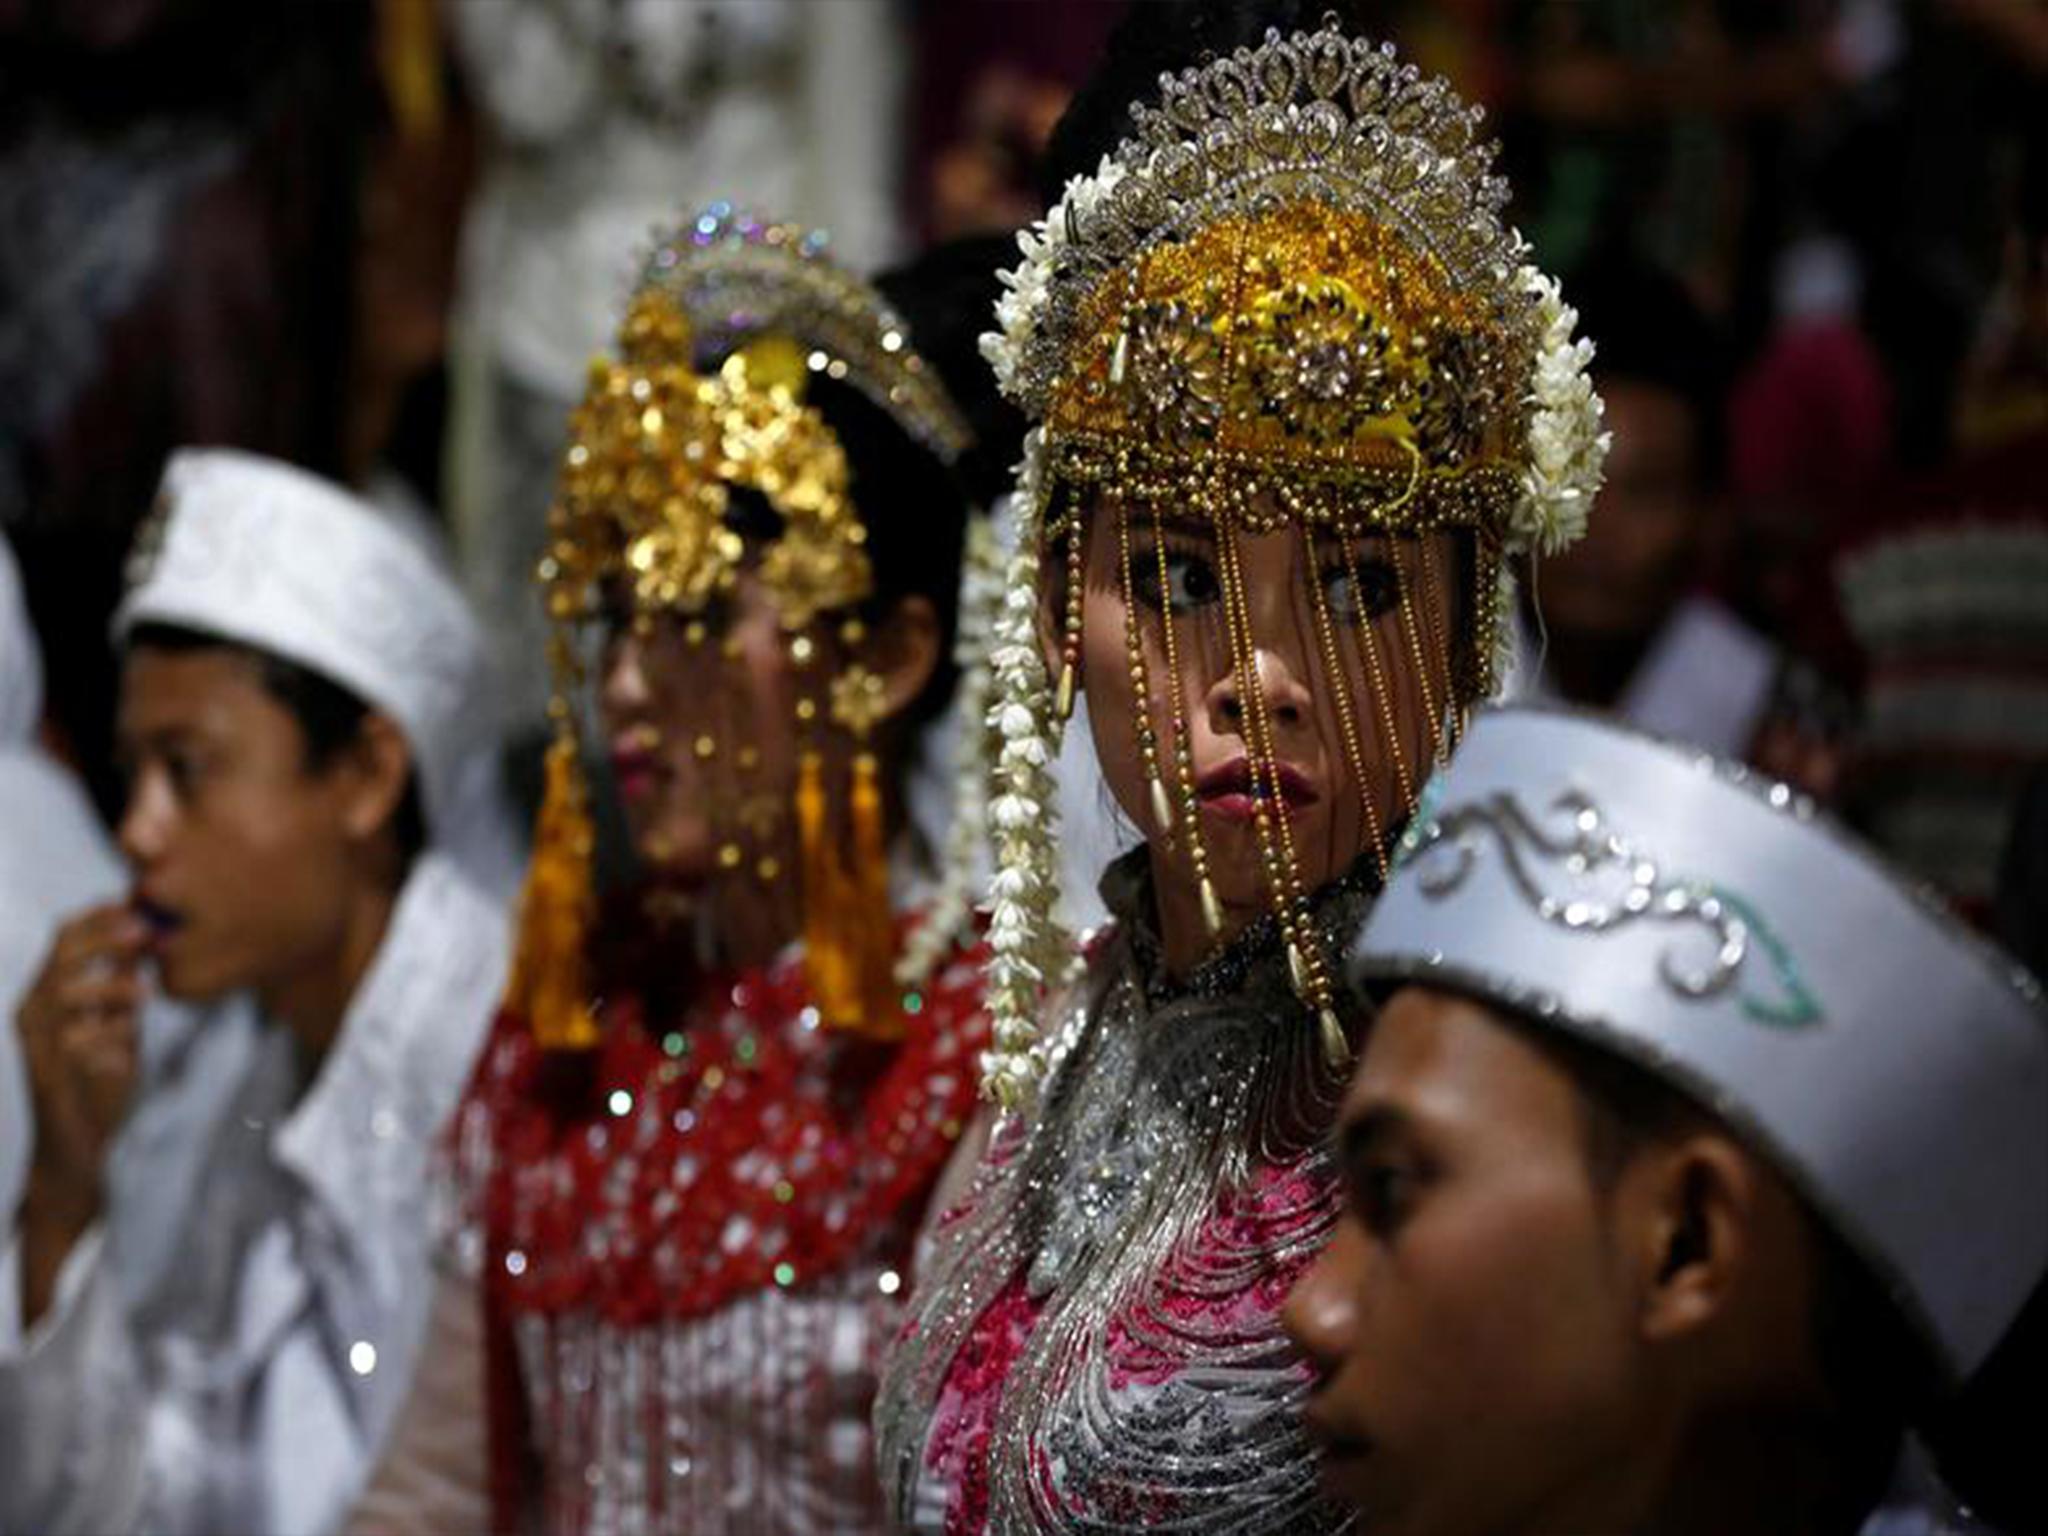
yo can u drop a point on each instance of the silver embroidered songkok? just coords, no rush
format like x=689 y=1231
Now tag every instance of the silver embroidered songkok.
x=1715 y=930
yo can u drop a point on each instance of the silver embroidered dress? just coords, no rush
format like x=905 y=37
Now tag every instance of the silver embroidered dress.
x=1094 y=1342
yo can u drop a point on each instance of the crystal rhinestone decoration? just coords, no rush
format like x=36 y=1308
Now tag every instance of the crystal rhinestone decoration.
x=738 y=276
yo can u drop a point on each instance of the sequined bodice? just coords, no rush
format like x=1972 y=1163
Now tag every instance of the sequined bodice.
x=1094 y=1344
x=695 y=1240
x=753 y=1419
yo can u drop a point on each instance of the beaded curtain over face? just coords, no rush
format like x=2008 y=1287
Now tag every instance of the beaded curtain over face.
x=1286 y=313
x=653 y=529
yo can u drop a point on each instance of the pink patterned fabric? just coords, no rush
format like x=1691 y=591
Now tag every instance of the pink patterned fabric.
x=957 y=1452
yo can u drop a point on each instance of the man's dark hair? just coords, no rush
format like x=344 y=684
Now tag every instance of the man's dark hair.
x=330 y=718
x=1647 y=329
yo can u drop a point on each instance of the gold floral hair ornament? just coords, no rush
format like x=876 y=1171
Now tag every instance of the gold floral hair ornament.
x=656 y=451
x=1288 y=300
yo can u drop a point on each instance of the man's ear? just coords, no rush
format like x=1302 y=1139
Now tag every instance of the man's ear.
x=1692 y=1206
x=904 y=652
x=377 y=768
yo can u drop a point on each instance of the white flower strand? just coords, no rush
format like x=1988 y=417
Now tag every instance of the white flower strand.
x=1567 y=448
x=1028 y=948
x=949 y=914
x=1026 y=285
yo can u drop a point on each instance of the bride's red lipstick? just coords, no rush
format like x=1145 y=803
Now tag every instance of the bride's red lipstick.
x=1232 y=790
x=636 y=763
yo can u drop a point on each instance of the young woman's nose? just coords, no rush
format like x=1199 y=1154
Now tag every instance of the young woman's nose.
x=625 y=674
x=1287 y=699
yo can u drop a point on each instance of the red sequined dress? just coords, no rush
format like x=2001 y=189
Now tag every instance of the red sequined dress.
x=695 y=1242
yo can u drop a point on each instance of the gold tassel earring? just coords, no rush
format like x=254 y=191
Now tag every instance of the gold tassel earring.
x=880 y=1018
x=849 y=929
x=828 y=962
x=549 y=986
x=866 y=929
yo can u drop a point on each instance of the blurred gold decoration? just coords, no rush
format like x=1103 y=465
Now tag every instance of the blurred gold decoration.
x=409 y=65
x=656 y=451
x=549 y=987
x=860 y=699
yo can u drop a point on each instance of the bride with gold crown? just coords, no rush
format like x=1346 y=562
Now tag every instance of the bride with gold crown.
x=1301 y=407
x=701 y=1136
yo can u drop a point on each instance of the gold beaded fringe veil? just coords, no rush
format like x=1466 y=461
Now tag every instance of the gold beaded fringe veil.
x=643 y=522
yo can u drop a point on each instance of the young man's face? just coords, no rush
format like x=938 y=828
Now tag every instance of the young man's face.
x=241 y=852
x=1472 y=1319
x=1621 y=580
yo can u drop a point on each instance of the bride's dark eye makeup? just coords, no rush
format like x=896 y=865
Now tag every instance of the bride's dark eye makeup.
x=1191 y=581
x=1363 y=590
x=1357 y=592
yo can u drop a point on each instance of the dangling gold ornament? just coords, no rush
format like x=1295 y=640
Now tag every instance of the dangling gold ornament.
x=550 y=963
x=849 y=929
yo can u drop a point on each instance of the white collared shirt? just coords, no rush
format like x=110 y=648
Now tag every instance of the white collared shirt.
x=228 y=1347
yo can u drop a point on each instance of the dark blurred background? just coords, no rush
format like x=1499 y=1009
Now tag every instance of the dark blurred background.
x=1811 y=239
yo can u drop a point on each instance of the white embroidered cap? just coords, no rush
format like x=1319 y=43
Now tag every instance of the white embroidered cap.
x=1717 y=931
x=270 y=556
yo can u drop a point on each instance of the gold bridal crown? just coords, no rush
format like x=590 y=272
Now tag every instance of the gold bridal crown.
x=1296 y=272
x=658 y=446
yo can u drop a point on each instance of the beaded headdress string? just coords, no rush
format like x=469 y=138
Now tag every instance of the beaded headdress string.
x=731 y=319
x=1287 y=304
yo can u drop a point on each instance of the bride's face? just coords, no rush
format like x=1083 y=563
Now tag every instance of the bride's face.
x=700 y=721
x=1325 y=656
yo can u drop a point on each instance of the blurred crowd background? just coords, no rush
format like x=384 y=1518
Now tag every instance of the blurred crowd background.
x=382 y=238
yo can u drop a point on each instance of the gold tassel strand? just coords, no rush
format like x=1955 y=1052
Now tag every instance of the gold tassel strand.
x=1070 y=644
x=880 y=1017
x=1141 y=688
x=1183 y=758
x=1305 y=966
x=549 y=986
x=828 y=962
